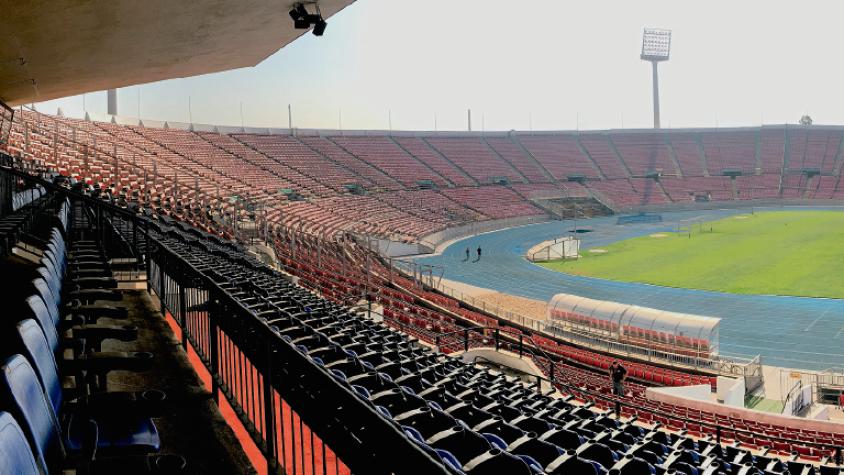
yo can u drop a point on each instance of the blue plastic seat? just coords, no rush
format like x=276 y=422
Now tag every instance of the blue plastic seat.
x=571 y=463
x=495 y=441
x=23 y=386
x=15 y=454
x=449 y=460
x=23 y=396
x=539 y=450
x=35 y=348
x=464 y=443
x=40 y=312
x=494 y=462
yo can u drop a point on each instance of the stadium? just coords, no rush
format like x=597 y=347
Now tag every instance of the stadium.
x=189 y=297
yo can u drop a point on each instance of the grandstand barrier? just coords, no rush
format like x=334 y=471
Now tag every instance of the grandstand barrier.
x=754 y=203
x=7 y=116
x=436 y=239
x=496 y=339
x=292 y=408
x=639 y=218
x=388 y=248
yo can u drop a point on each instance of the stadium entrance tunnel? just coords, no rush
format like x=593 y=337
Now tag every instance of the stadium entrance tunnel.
x=510 y=364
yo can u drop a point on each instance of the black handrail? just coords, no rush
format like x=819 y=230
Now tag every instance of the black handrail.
x=7 y=116
x=363 y=439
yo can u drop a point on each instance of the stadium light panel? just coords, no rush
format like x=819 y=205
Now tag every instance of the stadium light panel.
x=656 y=44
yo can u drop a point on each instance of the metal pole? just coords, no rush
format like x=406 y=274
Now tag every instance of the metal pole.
x=656 y=93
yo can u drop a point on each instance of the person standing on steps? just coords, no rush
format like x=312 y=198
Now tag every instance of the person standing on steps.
x=618 y=374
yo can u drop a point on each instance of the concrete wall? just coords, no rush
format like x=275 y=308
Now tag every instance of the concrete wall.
x=700 y=392
x=731 y=391
x=508 y=359
x=738 y=204
x=434 y=240
x=389 y=248
x=657 y=394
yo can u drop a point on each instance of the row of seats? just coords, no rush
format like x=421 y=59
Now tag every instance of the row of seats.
x=474 y=420
x=25 y=197
x=196 y=168
x=403 y=311
x=57 y=334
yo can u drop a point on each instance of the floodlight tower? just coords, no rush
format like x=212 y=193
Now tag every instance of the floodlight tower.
x=656 y=46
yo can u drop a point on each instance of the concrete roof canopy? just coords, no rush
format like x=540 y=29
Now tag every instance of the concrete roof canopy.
x=58 y=48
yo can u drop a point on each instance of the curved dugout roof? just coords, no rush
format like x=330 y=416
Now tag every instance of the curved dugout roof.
x=634 y=315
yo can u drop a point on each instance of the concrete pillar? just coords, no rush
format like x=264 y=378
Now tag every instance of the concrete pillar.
x=112 y=102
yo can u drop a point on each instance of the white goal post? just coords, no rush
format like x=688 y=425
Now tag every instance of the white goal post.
x=567 y=247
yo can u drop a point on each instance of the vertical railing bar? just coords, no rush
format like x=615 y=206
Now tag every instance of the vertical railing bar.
x=268 y=409
x=212 y=337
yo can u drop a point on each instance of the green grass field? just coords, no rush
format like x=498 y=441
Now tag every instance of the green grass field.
x=779 y=253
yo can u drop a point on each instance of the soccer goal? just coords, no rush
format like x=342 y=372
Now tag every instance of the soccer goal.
x=567 y=247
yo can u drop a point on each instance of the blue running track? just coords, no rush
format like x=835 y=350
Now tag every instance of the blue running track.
x=793 y=332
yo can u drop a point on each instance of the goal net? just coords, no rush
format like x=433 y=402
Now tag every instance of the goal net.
x=562 y=248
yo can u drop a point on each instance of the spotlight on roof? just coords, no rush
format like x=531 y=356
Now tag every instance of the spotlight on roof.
x=302 y=11
x=319 y=27
x=302 y=19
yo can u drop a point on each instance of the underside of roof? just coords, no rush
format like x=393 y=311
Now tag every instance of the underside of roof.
x=57 y=48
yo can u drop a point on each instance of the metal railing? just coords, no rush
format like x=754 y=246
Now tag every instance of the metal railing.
x=7 y=116
x=292 y=408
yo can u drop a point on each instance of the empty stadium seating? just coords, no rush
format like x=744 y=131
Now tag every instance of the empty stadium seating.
x=216 y=177
x=472 y=420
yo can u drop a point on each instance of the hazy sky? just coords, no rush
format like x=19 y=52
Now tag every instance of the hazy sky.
x=525 y=64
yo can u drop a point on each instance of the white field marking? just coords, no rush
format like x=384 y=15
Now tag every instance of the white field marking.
x=598 y=251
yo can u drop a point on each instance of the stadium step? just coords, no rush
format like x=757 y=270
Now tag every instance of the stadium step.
x=518 y=143
x=590 y=158
x=444 y=157
x=672 y=154
x=508 y=162
x=422 y=162
x=617 y=156
x=702 y=155
x=366 y=165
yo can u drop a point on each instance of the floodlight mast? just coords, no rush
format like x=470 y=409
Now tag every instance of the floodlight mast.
x=656 y=47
